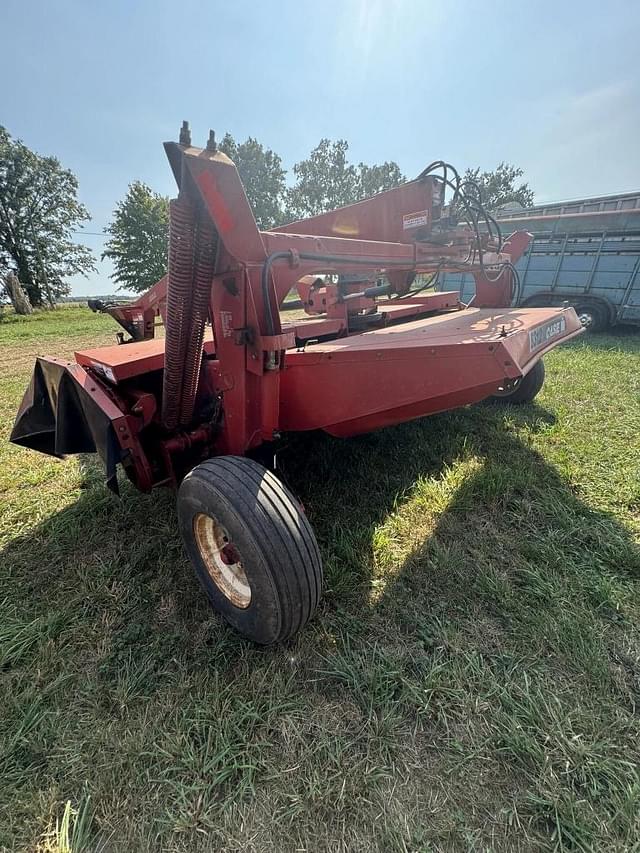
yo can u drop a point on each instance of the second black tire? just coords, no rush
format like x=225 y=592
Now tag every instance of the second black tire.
x=526 y=389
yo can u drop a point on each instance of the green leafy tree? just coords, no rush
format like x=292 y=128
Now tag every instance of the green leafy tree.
x=139 y=232
x=138 y=238
x=39 y=211
x=326 y=180
x=377 y=179
x=500 y=186
x=261 y=172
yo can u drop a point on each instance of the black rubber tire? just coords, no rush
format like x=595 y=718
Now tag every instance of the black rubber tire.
x=527 y=389
x=597 y=313
x=278 y=548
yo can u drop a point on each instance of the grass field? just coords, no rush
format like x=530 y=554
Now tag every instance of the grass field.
x=470 y=682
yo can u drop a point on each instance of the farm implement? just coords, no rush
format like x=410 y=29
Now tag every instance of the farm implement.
x=375 y=347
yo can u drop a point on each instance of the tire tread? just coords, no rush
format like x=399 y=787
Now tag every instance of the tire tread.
x=273 y=518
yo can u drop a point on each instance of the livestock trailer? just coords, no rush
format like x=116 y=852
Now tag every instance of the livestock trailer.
x=585 y=253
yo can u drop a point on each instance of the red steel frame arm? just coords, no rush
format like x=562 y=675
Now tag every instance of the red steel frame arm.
x=288 y=256
x=401 y=215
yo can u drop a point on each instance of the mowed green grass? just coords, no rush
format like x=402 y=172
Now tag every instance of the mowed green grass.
x=471 y=680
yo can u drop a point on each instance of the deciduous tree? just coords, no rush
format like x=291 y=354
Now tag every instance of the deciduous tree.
x=499 y=187
x=138 y=238
x=263 y=177
x=376 y=179
x=326 y=180
x=39 y=211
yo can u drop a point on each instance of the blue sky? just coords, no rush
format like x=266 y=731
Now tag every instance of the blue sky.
x=553 y=87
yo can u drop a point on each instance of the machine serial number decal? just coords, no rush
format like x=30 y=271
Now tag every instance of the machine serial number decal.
x=415 y=220
x=540 y=336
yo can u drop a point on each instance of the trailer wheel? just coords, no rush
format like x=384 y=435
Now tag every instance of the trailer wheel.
x=592 y=317
x=252 y=547
x=524 y=390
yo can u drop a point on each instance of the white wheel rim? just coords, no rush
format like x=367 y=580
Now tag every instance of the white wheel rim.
x=586 y=319
x=222 y=560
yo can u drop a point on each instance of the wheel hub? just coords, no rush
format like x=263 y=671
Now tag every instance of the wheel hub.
x=222 y=560
x=586 y=319
x=507 y=388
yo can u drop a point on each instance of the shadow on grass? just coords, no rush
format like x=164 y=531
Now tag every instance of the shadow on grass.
x=476 y=503
x=437 y=505
x=456 y=560
x=469 y=585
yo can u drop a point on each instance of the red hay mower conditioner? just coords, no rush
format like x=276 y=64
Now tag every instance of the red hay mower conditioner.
x=374 y=350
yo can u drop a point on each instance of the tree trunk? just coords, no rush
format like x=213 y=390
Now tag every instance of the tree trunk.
x=17 y=295
x=27 y=279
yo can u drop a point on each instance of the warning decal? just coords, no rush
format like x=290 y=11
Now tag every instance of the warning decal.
x=415 y=220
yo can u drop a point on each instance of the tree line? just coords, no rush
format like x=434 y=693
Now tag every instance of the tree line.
x=40 y=212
